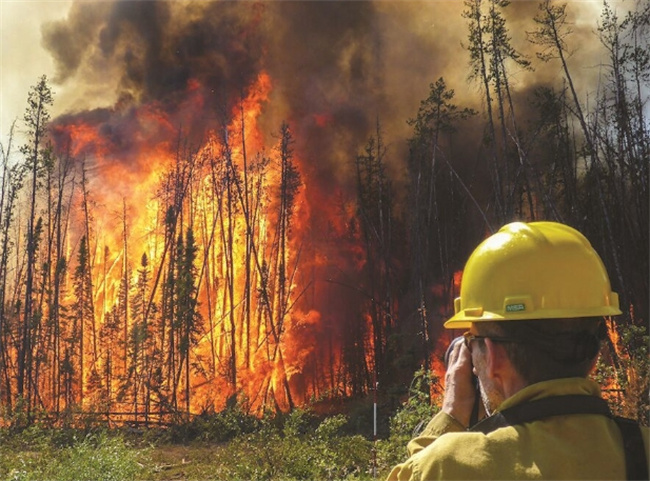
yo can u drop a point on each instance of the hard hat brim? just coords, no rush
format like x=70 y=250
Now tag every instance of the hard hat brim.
x=464 y=320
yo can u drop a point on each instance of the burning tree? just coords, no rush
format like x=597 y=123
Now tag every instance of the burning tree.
x=36 y=119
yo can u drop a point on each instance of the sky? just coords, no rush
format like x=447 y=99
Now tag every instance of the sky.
x=22 y=58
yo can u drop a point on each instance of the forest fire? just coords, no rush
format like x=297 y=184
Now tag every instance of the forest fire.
x=188 y=247
x=230 y=214
x=239 y=203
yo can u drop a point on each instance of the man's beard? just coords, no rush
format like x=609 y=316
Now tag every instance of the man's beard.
x=491 y=397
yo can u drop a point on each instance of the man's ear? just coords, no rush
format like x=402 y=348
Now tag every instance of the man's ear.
x=500 y=370
x=496 y=360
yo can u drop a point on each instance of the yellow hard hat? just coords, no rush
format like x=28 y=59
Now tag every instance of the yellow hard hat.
x=536 y=270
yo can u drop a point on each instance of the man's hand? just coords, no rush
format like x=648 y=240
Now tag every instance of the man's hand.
x=460 y=392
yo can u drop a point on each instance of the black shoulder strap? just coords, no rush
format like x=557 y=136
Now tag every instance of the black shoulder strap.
x=636 y=463
x=635 y=455
x=543 y=408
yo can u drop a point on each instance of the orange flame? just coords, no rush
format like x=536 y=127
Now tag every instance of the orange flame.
x=259 y=338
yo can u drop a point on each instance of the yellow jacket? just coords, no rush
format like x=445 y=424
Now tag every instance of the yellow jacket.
x=578 y=446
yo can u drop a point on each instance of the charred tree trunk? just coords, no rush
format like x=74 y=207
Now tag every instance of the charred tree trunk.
x=64 y=169
x=36 y=118
x=478 y=49
x=11 y=185
x=91 y=300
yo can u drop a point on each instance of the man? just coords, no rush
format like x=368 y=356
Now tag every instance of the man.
x=533 y=297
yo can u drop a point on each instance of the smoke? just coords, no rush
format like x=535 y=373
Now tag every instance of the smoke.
x=335 y=65
x=150 y=50
x=338 y=68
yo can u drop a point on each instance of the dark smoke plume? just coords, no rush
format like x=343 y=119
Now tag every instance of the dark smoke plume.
x=337 y=67
x=158 y=46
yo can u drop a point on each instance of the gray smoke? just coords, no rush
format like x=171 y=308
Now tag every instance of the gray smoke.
x=338 y=67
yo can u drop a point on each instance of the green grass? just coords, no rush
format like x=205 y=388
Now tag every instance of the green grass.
x=228 y=445
x=290 y=447
x=40 y=456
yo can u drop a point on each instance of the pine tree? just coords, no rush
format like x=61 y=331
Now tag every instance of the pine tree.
x=434 y=199
x=82 y=311
x=187 y=321
x=12 y=179
x=36 y=118
x=289 y=185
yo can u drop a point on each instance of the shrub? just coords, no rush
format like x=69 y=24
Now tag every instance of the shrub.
x=292 y=450
x=214 y=427
x=338 y=456
x=408 y=421
x=96 y=457
x=99 y=458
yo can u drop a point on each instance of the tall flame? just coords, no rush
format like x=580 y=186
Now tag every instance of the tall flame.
x=253 y=334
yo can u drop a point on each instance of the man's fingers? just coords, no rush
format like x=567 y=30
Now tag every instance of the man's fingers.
x=455 y=350
x=460 y=392
x=453 y=354
x=460 y=357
